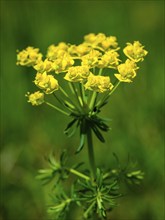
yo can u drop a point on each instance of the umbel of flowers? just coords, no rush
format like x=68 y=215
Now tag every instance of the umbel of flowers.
x=90 y=72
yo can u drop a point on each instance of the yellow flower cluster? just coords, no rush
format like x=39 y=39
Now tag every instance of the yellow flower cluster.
x=77 y=73
x=100 y=40
x=79 y=50
x=109 y=60
x=91 y=59
x=127 y=71
x=55 y=52
x=46 y=82
x=43 y=66
x=60 y=57
x=36 y=98
x=29 y=57
x=80 y=63
x=135 y=51
x=98 y=83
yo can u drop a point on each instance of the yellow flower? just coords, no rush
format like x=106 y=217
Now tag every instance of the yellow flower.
x=62 y=63
x=55 y=52
x=43 y=66
x=28 y=57
x=90 y=38
x=98 y=83
x=46 y=82
x=100 y=41
x=126 y=71
x=80 y=49
x=91 y=59
x=36 y=98
x=94 y=40
x=110 y=41
x=77 y=73
x=109 y=60
x=135 y=51
x=100 y=38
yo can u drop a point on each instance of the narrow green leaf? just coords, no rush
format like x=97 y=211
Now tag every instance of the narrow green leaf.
x=70 y=124
x=81 y=145
x=98 y=133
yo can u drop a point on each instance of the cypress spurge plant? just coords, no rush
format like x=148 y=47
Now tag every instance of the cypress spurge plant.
x=89 y=74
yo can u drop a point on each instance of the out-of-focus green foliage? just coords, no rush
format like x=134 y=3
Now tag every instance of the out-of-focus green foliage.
x=28 y=134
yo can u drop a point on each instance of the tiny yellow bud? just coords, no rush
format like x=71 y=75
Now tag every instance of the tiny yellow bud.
x=36 y=98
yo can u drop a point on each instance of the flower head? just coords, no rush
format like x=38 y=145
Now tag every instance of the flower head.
x=28 y=57
x=98 y=83
x=77 y=73
x=62 y=63
x=126 y=71
x=109 y=59
x=94 y=39
x=43 y=66
x=90 y=38
x=100 y=41
x=109 y=42
x=46 y=82
x=79 y=50
x=55 y=52
x=36 y=98
x=135 y=51
x=91 y=59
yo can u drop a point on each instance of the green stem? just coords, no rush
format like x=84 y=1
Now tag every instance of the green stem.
x=82 y=92
x=66 y=95
x=100 y=72
x=75 y=172
x=114 y=88
x=108 y=95
x=89 y=209
x=65 y=103
x=91 y=153
x=69 y=106
x=92 y=102
x=63 y=91
x=94 y=95
x=56 y=108
x=77 y=95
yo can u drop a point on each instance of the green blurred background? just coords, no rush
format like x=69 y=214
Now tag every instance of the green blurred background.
x=28 y=134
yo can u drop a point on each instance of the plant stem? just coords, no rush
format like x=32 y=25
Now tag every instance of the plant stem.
x=94 y=95
x=58 y=109
x=77 y=95
x=82 y=92
x=91 y=153
x=115 y=87
x=70 y=100
x=69 y=106
x=108 y=95
x=75 y=172
x=93 y=99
